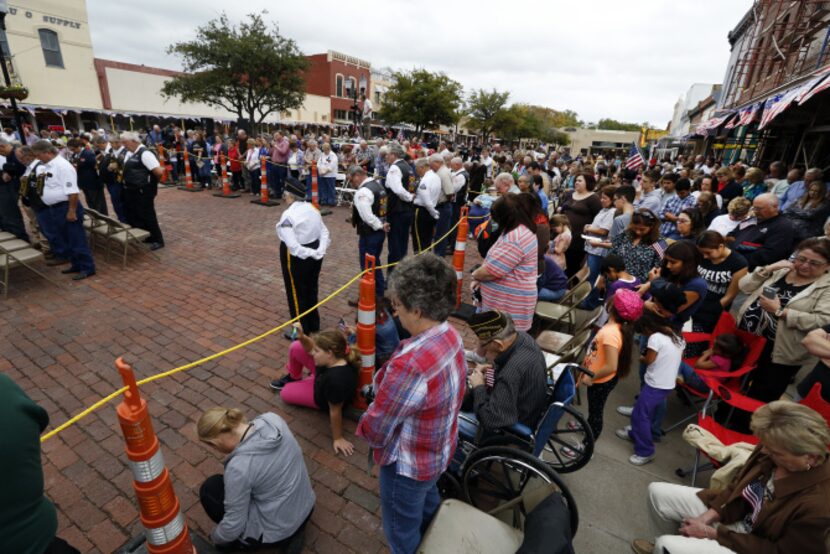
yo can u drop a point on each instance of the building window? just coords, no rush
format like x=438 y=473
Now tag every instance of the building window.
x=51 y=48
x=377 y=97
x=353 y=87
x=340 y=114
x=4 y=45
x=338 y=87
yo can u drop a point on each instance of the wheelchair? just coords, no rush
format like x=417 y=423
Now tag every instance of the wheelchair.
x=496 y=472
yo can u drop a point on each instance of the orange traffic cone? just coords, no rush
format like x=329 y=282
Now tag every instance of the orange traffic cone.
x=462 y=311
x=188 y=178
x=366 y=331
x=226 y=186
x=163 y=162
x=159 y=510
x=263 y=199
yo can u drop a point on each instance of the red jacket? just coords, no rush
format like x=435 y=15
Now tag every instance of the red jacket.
x=233 y=156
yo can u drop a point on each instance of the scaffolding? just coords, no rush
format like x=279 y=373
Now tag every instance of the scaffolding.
x=783 y=41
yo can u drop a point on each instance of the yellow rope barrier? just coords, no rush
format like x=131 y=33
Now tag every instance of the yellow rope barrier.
x=227 y=351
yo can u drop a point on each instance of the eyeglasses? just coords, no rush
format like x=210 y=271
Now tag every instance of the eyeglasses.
x=808 y=261
x=684 y=220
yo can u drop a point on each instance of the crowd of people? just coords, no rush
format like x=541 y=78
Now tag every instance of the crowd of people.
x=670 y=247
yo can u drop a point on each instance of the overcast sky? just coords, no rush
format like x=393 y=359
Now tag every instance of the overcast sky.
x=602 y=58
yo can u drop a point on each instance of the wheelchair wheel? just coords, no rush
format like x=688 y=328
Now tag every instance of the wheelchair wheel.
x=571 y=443
x=448 y=486
x=498 y=475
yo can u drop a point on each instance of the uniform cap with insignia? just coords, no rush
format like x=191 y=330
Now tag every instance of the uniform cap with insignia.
x=293 y=186
x=487 y=325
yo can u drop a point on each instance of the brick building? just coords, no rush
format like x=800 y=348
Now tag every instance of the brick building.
x=774 y=94
x=339 y=77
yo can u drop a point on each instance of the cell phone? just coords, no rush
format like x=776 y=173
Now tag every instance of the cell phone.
x=770 y=292
x=341 y=325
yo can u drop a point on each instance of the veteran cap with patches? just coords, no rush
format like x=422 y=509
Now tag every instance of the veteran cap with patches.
x=487 y=325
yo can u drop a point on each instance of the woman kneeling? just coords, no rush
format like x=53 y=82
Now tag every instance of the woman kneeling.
x=265 y=498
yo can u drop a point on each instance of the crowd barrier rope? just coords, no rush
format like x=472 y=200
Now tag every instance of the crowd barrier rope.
x=109 y=398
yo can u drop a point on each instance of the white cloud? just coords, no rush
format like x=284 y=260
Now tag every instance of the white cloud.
x=602 y=58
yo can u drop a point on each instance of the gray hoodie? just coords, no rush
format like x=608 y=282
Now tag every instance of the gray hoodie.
x=267 y=490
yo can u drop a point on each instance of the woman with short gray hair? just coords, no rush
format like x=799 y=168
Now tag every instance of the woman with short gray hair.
x=776 y=503
x=412 y=425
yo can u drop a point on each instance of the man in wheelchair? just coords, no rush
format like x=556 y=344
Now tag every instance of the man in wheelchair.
x=508 y=392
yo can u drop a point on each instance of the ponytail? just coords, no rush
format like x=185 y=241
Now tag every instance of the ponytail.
x=216 y=421
x=334 y=342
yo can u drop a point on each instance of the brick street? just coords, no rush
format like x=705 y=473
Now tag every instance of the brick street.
x=216 y=284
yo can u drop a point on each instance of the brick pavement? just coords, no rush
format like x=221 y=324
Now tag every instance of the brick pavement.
x=217 y=283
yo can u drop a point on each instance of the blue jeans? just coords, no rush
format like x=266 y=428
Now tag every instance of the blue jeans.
x=327 y=192
x=399 y=225
x=372 y=244
x=67 y=238
x=442 y=226
x=691 y=378
x=548 y=295
x=594 y=268
x=407 y=507
x=641 y=419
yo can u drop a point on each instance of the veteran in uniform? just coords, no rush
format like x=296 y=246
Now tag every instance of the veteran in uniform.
x=402 y=184
x=426 y=200
x=369 y=218
x=304 y=240
x=53 y=195
x=141 y=172
x=110 y=163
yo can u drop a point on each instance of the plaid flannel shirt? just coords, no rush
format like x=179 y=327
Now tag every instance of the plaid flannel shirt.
x=418 y=393
x=674 y=205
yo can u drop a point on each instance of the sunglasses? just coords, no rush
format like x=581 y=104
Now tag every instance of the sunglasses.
x=644 y=215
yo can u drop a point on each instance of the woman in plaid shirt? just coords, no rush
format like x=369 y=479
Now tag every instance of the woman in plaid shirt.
x=412 y=423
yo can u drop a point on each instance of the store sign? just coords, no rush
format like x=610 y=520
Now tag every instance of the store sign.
x=46 y=18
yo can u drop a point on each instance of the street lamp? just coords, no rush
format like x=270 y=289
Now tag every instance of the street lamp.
x=4 y=9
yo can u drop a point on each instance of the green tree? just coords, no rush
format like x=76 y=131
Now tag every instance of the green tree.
x=250 y=69
x=485 y=110
x=566 y=118
x=614 y=125
x=423 y=99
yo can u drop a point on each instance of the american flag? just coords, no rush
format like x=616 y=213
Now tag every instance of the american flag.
x=748 y=115
x=753 y=493
x=635 y=159
x=821 y=83
x=780 y=102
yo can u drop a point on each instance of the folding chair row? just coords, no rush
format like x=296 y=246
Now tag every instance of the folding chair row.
x=17 y=257
x=115 y=234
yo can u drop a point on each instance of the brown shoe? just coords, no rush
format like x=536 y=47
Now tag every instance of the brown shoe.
x=642 y=546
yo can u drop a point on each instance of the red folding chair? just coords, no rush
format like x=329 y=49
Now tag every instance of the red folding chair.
x=733 y=380
x=723 y=434
x=815 y=401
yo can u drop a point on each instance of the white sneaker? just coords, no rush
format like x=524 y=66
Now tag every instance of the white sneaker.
x=625 y=410
x=640 y=460
x=624 y=433
x=474 y=358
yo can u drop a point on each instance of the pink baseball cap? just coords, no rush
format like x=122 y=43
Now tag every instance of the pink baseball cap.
x=628 y=304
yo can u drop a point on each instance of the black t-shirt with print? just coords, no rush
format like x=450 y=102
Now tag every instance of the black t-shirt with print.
x=718 y=277
x=763 y=323
x=334 y=385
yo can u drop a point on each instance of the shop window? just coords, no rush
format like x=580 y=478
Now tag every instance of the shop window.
x=51 y=48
